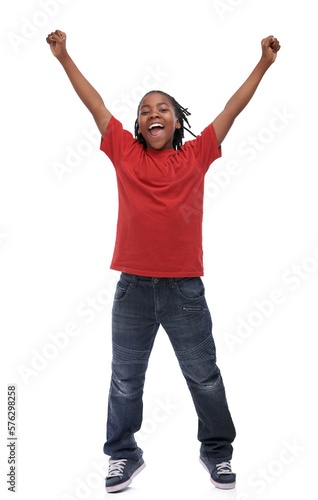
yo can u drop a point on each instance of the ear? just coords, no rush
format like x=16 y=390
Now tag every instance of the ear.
x=178 y=125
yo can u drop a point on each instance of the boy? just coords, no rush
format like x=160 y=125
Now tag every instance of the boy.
x=159 y=253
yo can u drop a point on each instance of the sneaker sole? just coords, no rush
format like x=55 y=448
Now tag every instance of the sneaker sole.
x=222 y=486
x=121 y=486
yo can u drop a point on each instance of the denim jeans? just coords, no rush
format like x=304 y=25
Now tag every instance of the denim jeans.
x=141 y=305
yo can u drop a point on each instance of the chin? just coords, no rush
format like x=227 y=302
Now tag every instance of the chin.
x=158 y=147
x=159 y=144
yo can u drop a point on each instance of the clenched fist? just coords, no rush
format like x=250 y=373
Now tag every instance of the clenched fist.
x=57 y=42
x=270 y=47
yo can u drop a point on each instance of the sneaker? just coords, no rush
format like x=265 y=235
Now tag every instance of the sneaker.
x=121 y=473
x=221 y=474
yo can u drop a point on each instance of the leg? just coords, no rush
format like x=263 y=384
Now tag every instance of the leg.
x=189 y=325
x=133 y=334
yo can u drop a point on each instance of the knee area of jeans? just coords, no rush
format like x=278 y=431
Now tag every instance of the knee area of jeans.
x=201 y=381
x=128 y=378
x=127 y=388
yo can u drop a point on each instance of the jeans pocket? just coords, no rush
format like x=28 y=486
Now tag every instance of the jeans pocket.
x=192 y=308
x=121 y=290
x=190 y=288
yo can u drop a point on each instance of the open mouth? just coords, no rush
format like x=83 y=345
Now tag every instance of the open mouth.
x=156 y=129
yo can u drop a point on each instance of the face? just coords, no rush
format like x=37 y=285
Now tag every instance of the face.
x=157 y=121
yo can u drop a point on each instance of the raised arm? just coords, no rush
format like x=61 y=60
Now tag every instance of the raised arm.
x=224 y=121
x=87 y=93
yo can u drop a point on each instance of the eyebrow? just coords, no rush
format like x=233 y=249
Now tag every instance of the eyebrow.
x=159 y=104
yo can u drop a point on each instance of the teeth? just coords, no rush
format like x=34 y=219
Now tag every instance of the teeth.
x=155 y=125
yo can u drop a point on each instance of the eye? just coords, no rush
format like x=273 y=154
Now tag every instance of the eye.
x=163 y=110
x=144 y=112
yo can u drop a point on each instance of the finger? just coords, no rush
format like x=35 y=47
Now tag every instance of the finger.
x=267 y=41
x=50 y=41
x=275 y=45
x=55 y=38
x=60 y=33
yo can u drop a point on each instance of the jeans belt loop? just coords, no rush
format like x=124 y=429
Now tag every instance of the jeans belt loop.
x=134 y=281
x=172 y=283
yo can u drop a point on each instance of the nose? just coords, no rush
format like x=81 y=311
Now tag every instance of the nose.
x=154 y=113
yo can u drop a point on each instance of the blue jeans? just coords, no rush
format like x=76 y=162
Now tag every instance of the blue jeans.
x=141 y=304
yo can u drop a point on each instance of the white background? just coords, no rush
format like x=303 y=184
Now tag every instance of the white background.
x=57 y=235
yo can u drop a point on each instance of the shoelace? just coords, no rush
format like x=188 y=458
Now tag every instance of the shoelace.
x=116 y=467
x=224 y=468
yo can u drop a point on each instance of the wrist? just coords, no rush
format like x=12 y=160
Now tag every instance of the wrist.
x=63 y=58
x=265 y=63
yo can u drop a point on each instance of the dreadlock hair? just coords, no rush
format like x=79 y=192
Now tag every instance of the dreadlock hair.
x=181 y=115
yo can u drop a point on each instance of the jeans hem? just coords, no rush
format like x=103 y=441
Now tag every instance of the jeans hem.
x=214 y=461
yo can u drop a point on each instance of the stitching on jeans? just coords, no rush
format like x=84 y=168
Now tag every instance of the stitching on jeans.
x=129 y=355
x=204 y=350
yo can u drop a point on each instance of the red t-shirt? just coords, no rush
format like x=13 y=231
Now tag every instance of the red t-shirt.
x=160 y=203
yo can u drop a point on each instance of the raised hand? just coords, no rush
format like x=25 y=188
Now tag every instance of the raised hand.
x=86 y=92
x=224 y=121
x=270 y=47
x=57 y=42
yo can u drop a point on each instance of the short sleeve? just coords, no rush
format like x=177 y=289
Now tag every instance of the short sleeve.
x=206 y=147
x=115 y=141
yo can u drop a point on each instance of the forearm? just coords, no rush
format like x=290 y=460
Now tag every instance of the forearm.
x=244 y=94
x=224 y=121
x=86 y=92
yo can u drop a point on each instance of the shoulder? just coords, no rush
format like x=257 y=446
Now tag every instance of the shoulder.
x=117 y=141
x=114 y=126
x=204 y=147
x=116 y=132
